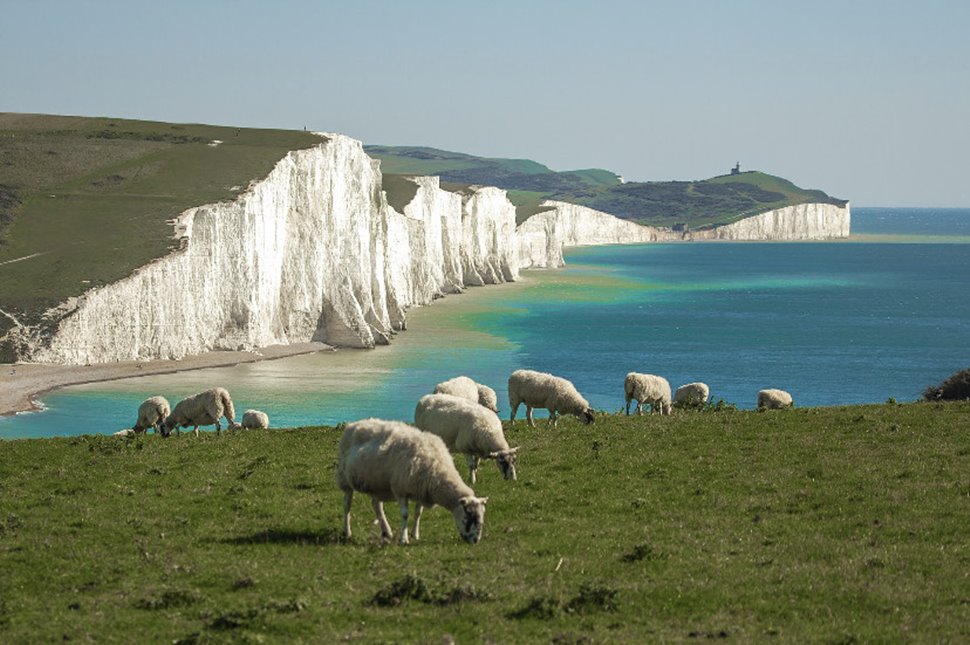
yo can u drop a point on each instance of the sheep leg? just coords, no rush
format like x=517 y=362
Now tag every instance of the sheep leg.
x=472 y=467
x=553 y=419
x=528 y=415
x=628 y=406
x=417 y=520
x=515 y=408
x=386 y=533
x=348 y=500
x=196 y=431
x=403 y=502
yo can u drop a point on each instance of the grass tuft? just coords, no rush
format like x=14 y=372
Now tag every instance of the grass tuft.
x=169 y=599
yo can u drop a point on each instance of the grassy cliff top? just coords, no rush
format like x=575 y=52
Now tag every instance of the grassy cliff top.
x=698 y=204
x=84 y=201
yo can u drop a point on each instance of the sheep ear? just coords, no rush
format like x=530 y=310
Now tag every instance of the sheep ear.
x=512 y=451
x=492 y=455
x=483 y=500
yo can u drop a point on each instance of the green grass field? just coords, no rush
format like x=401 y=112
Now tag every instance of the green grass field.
x=828 y=525
x=85 y=201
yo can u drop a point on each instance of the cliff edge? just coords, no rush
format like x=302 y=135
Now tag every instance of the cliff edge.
x=314 y=252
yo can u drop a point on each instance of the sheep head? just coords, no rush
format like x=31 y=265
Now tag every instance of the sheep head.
x=506 y=462
x=168 y=425
x=470 y=518
x=588 y=416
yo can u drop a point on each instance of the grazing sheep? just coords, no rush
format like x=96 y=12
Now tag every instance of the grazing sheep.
x=391 y=460
x=256 y=419
x=692 y=393
x=774 y=399
x=202 y=409
x=467 y=428
x=151 y=414
x=647 y=389
x=468 y=389
x=487 y=397
x=541 y=390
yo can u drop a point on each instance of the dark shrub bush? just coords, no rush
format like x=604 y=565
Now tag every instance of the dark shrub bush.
x=955 y=388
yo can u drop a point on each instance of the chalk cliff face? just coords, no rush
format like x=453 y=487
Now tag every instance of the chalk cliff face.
x=315 y=252
x=543 y=236
x=312 y=252
x=792 y=223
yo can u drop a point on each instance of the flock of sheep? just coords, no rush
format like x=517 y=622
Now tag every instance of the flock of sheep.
x=202 y=409
x=395 y=461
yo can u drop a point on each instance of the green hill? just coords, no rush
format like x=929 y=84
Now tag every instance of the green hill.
x=84 y=201
x=529 y=183
x=698 y=204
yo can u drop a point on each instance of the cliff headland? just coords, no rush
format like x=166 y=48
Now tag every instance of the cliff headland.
x=319 y=250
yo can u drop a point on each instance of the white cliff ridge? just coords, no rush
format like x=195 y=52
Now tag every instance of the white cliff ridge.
x=314 y=252
x=793 y=223
x=543 y=236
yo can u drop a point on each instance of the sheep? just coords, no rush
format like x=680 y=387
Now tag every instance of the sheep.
x=202 y=409
x=541 y=390
x=692 y=393
x=774 y=399
x=487 y=397
x=151 y=414
x=255 y=419
x=468 y=428
x=391 y=460
x=647 y=389
x=468 y=389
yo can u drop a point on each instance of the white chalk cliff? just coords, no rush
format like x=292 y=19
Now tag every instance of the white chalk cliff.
x=315 y=252
x=543 y=236
x=793 y=223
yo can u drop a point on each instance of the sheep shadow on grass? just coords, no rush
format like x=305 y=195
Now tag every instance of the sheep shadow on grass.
x=298 y=537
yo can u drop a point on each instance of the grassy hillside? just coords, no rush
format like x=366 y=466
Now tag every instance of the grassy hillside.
x=808 y=525
x=698 y=204
x=701 y=204
x=84 y=201
x=529 y=183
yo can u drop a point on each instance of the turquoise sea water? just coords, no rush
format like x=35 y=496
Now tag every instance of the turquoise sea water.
x=882 y=315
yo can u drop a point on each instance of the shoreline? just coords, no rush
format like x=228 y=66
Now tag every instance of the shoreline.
x=22 y=383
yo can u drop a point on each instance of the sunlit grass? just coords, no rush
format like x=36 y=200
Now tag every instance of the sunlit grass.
x=818 y=525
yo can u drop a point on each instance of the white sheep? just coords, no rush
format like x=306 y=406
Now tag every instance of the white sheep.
x=692 y=393
x=541 y=390
x=647 y=389
x=151 y=414
x=466 y=388
x=255 y=419
x=774 y=399
x=391 y=460
x=202 y=409
x=467 y=428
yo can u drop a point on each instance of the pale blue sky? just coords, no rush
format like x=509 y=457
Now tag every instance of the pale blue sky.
x=867 y=100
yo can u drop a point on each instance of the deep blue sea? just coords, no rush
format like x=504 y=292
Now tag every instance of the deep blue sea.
x=882 y=315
